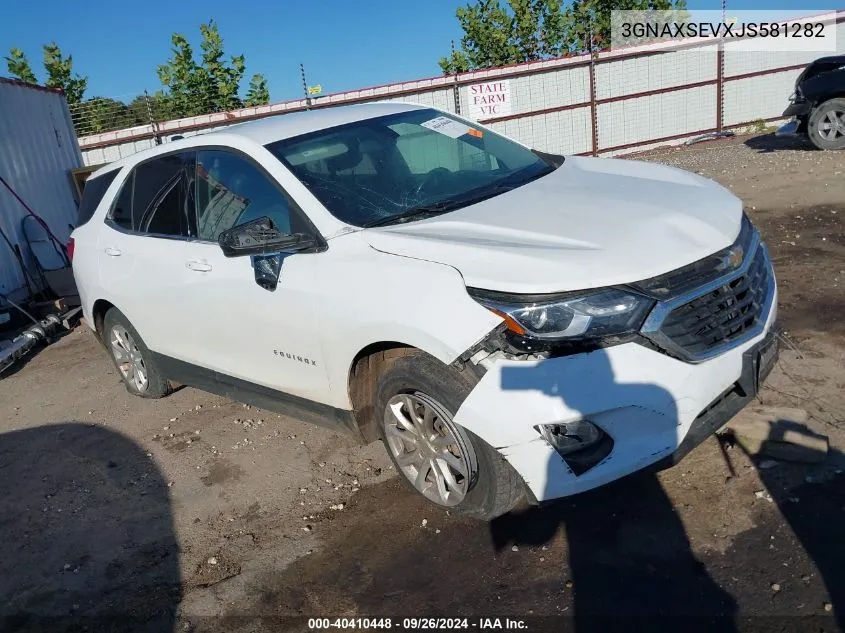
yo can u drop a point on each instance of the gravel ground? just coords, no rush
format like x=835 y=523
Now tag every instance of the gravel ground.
x=197 y=513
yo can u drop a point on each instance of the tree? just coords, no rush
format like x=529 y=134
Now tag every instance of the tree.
x=528 y=30
x=19 y=67
x=487 y=36
x=257 y=94
x=210 y=85
x=222 y=80
x=184 y=80
x=60 y=74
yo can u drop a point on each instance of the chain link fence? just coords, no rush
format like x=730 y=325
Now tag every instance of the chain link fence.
x=107 y=114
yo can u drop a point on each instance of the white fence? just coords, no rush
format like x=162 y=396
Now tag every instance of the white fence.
x=607 y=103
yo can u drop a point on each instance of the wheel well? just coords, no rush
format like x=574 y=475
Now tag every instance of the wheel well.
x=828 y=97
x=366 y=368
x=98 y=313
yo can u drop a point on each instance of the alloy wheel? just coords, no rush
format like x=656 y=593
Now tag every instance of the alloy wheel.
x=429 y=449
x=128 y=358
x=832 y=126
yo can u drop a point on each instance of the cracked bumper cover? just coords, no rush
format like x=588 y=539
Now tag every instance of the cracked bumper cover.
x=655 y=407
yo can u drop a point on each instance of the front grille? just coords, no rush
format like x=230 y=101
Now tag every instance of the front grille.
x=728 y=305
x=723 y=315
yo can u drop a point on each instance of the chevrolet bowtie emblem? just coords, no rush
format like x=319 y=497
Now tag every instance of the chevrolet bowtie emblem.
x=732 y=259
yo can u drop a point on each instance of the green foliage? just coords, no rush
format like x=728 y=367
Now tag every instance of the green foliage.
x=60 y=74
x=18 y=66
x=191 y=87
x=221 y=80
x=528 y=30
x=208 y=85
x=59 y=71
x=584 y=18
x=186 y=82
x=257 y=94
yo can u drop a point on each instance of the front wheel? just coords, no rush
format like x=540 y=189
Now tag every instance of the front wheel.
x=826 y=127
x=417 y=397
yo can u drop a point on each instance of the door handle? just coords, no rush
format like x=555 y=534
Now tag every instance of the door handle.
x=200 y=267
x=113 y=252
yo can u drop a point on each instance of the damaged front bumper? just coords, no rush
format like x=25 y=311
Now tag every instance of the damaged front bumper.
x=654 y=408
x=788 y=129
x=799 y=109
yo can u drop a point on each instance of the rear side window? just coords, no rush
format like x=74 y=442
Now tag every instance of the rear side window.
x=92 y=195
x=156 y=199
x=160 y=196
x=121 y=213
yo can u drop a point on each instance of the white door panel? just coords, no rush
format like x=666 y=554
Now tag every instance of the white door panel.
x=242 y=330
x=140 y=275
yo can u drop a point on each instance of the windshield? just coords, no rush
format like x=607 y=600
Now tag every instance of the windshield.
x=406 y=166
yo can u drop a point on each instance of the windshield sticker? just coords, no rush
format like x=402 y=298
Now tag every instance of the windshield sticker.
x=447 y=126
x=475 y=133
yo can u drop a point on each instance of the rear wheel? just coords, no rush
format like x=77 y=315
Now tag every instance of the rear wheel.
x=826 y=127
x=449 y=466
x=132 y=358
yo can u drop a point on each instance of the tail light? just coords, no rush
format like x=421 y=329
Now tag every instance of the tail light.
x=70 y=247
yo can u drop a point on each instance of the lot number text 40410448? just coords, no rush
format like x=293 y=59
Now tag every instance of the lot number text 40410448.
x=418 y=624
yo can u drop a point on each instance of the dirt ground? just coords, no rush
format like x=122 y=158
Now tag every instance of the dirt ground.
x=194 y=513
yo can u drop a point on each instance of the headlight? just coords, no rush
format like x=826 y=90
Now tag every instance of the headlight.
x=573 y=316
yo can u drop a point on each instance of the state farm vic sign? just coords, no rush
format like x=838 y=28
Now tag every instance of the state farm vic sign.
x=489 y=100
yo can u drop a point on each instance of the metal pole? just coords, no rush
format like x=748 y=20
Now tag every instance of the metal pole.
x=153 y=122
x=594 y=121
x=720 y=75
x=305 y=87
x=456 y=89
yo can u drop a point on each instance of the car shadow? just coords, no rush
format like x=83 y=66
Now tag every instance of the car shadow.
x=765 y=143
x=811 y=499
x=88 y=541
x=630 y=560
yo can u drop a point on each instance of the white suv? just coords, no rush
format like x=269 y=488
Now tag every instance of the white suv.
x=512 y=324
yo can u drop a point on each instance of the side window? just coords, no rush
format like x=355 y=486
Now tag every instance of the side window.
x=230 y=190
x=159 y=201
x=92 y=195
x=121 y=213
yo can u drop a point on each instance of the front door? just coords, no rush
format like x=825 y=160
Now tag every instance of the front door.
x=239 y=329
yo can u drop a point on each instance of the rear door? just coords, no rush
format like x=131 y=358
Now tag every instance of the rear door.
x=141 y=248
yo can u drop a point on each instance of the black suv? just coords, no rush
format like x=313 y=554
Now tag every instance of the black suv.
x=818 y=104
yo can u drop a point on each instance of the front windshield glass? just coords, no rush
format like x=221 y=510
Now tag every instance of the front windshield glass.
x=406 y=166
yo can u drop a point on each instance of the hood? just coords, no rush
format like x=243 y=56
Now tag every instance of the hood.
x=820 y=66
x=592 y=222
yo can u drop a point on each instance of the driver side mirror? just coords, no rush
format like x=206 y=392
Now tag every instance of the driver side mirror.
x=261 y=237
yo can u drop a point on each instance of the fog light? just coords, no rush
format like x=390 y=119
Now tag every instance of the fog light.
x=569 y=437
x=581 y=444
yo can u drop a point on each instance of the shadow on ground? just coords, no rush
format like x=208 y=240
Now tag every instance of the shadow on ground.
x=615 y=558
x=765 y=143
x=87 y=533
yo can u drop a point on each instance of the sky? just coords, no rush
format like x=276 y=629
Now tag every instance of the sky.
x=343 y=44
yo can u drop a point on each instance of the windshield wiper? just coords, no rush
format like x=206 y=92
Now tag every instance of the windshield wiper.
x=414 y=213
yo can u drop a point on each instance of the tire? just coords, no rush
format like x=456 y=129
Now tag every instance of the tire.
x=132 y=358
x=488 y=486
x=826 y=127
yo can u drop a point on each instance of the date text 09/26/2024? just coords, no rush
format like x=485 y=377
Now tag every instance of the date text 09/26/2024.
x=418 y=624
